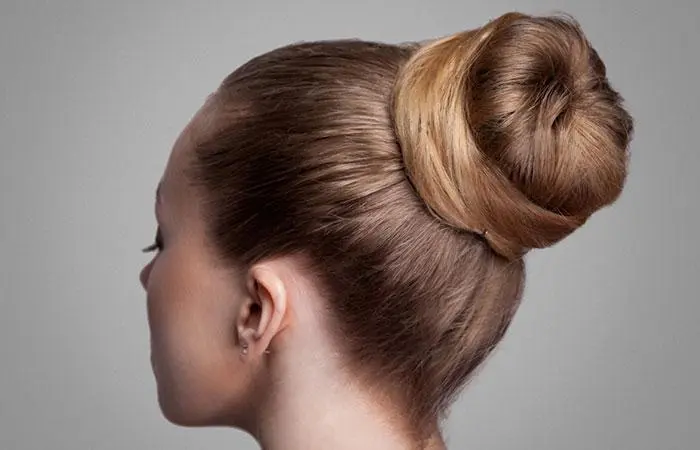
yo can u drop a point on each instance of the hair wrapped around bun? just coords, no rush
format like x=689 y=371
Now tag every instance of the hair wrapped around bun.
x=512 y=130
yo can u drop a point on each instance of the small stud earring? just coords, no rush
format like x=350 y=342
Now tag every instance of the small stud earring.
x=267 y=351
x=244 y=350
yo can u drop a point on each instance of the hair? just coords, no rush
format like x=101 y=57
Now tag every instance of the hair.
x=415 y=178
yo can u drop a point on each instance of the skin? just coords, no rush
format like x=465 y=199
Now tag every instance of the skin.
x=201 y=315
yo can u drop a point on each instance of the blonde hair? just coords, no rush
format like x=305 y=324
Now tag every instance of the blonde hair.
x=512 y=130
x=384 y=165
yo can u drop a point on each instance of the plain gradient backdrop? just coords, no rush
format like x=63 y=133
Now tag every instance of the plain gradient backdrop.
x=603 y=353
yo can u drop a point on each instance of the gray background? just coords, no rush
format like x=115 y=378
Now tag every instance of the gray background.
x=602 y=355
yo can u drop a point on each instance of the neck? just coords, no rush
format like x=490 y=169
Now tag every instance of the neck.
x=306 y=400
x=324 y=409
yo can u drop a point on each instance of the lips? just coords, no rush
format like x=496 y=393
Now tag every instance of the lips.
x=154 y=367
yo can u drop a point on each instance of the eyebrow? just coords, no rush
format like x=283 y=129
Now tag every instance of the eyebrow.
x=158 y=202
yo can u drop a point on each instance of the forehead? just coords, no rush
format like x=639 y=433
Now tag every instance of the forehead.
x=194 y=132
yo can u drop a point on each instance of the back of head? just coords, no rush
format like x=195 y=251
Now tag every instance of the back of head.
x=385 y=165
x=513 y=130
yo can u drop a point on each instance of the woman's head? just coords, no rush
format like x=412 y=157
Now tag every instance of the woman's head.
x=374 y=202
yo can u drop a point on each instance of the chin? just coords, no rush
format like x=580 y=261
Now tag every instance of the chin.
x=179 y=413
x=182 y=414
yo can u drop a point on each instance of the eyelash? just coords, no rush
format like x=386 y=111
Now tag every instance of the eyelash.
x=157 y=244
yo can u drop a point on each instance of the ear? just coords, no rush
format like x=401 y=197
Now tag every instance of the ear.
x=262 y=316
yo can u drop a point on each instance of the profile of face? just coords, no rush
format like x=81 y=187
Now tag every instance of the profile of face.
x=200 y=312
x=189 y=304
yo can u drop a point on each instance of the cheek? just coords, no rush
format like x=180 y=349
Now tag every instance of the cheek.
x=191 y=350
x=178 y=326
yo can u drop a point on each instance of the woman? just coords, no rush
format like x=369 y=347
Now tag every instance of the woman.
x=342 y=226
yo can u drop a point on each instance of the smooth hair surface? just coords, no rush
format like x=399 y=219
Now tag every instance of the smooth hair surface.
x=383 y=165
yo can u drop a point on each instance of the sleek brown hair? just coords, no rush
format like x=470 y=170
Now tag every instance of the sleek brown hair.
x=414 y=178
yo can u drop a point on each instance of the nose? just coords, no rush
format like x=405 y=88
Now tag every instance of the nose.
x=145 y=274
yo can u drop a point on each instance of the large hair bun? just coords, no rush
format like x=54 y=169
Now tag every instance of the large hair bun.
x=512 y=129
